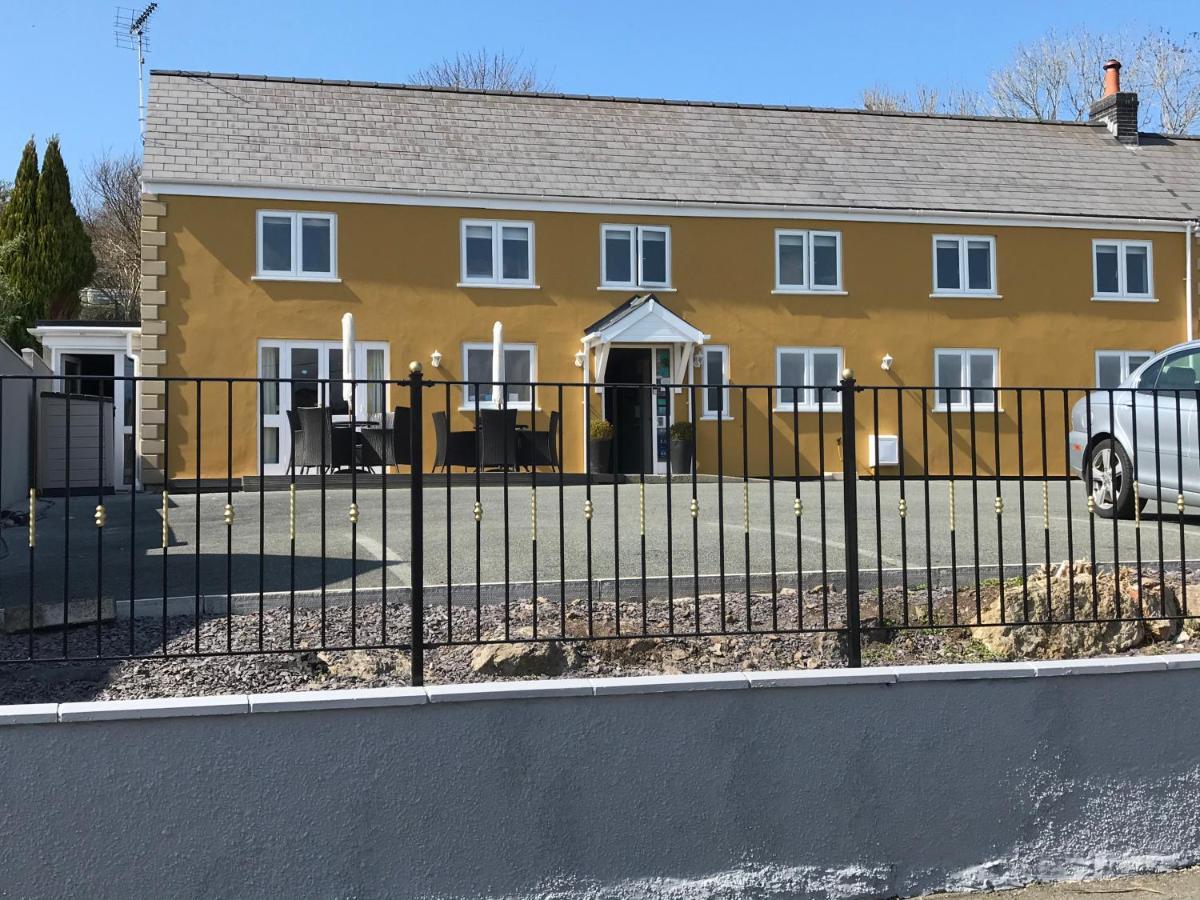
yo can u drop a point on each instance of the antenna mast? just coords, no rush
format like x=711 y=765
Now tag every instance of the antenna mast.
x=132 y=32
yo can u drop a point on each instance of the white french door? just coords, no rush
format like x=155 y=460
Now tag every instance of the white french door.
x=309 y=373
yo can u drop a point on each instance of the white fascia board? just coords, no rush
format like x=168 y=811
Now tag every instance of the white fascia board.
x=662 y=207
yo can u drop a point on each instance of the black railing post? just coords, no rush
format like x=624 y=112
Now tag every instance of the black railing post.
x=850 y=506
x=417 y=515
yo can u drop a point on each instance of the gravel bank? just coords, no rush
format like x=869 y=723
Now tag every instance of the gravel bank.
x=800 y=643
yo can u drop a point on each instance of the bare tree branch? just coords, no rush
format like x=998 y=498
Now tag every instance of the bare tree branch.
x=1172 y=77
x=927 y=99
x=112 y=214
x=883 y=99
x=1060 y=76
x=482 y=70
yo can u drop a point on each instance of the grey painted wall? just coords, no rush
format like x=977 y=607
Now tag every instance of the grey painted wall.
x=15 y=429
x=863 y=790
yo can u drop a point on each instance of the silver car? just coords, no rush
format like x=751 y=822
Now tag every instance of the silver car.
x=1157 y=404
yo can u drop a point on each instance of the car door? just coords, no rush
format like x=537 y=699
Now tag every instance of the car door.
x=1172 y=449
x=1131 y=409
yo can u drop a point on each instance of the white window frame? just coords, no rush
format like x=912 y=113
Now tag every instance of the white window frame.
x=635 y=262
x=296 y=272
x=468 y=401
x=705 y=411
x=497 y=278
x=808 y=287
x=965 y=354
x=1123 y=356
x=278 y=419
x=809 y=403
x=992 y=291
x=1122 y=292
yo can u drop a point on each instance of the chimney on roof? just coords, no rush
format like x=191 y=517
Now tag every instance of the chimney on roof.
x=1117 y=110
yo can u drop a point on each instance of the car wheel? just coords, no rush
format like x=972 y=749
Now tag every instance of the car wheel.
x=1108 y=481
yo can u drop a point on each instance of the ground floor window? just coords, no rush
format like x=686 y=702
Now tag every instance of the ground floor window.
x=715 y=375
x=520 y=365
x=963 y=378
x=1114 y=366
x=299 y=374
x=807 y=377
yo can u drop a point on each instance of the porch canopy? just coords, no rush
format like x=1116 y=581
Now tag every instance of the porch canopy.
x=642 y=319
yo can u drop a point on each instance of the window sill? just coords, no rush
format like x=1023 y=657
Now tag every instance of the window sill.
x=487 y=407
x=503 y=285
x=324 y=279
x=635 y=287
x=942 y=295
x=708 y=417
x=831 y=292
x=979 y=408
x=788 y=410
x=1113 y=298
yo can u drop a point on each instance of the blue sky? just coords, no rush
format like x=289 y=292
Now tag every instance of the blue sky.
x=63 y=73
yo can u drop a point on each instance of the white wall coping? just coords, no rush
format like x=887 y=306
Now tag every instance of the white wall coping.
x=356 y=698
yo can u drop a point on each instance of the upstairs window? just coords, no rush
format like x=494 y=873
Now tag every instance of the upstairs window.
x=1122 y=270
x=807 y=377
x=1114 y=366
x=964 y=265
x=499 y=254
x=808 y=261
x=635 y=256
x=965 y=379
x=297 y=245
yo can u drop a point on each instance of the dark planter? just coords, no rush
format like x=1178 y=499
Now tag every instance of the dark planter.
x=681 y=456
x=600 y=456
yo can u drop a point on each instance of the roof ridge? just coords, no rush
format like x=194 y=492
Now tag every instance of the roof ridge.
x=601 y=98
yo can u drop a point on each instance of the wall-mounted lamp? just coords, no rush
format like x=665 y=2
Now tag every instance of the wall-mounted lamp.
x=436 y=359
x=697 y=359
x=886 y=362
x=579 y=358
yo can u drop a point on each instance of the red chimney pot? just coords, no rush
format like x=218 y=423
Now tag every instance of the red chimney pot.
x=1112 y=78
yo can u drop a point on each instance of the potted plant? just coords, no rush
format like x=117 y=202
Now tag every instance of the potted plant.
x=683 y=446
x=600 y=439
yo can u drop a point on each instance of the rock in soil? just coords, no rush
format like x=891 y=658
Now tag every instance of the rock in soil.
x=519 y=659
x=1066 y=594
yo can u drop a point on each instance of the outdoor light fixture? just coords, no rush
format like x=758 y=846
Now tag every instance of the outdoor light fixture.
x=697 y=359
x=436 y=359
x=886 y=362
x=579 y=358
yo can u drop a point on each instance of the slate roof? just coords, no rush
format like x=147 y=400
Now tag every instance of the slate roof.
x=258 y=131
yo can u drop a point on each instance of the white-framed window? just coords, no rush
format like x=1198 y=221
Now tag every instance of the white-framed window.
x=966 y=378
x=520 y=367
x=1122 y=270
x=964 y=265
x=808 y=262
x=496 y=253
x=714 y=374
x=1114 y=366
x=806 y=378
x=298 y=246
x=635 y=256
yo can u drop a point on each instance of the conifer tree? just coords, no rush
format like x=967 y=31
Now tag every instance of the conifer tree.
x=62 y=249
x=18 y=222
x=21 y=290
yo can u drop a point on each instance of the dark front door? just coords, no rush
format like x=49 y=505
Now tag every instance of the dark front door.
x=629 y=408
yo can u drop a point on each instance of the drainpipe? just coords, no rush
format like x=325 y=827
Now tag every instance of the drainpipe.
x=1187 y=281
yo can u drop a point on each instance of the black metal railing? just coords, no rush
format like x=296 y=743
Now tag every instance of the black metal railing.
x=779 y=509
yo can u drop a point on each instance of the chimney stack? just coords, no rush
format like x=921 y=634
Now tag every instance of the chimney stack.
x=1117 y=110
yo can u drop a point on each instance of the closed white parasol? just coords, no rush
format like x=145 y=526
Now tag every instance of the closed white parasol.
x=497 y=365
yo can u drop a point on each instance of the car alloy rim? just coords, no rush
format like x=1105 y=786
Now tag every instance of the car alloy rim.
x=1106 y=477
